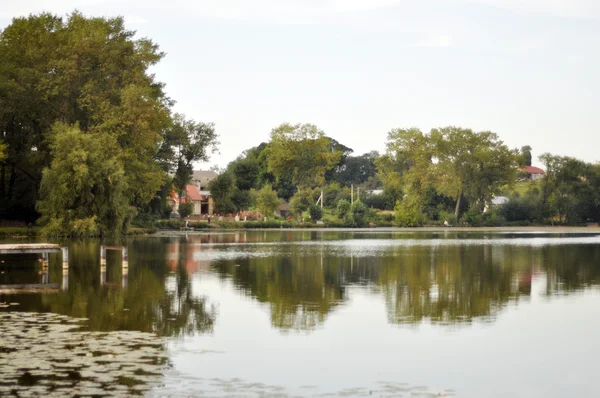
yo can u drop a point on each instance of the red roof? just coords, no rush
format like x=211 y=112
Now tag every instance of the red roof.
x=192 y=193
x=532 y=170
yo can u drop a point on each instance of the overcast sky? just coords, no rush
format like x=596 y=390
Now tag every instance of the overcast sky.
x=525 y=69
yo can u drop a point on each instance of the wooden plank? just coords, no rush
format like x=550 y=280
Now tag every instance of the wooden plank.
x=29 y=248
x=30 y=288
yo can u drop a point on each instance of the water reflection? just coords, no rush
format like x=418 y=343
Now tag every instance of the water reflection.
x=305 y=276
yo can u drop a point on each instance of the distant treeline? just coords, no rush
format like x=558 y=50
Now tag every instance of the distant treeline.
x=89 y=144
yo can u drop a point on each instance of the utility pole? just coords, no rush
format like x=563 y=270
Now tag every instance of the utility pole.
x=352 y=194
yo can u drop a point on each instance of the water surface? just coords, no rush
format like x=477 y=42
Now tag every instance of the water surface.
x=330 y=313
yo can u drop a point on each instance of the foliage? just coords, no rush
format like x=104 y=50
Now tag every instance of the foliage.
x=185 y=142
x=407 y=214
x=84 y=191
x=519 y=209
x=359 y=212
x=186 y=209
x=267 y=201
x=300 y=202
x=316 y=213
x=343 y=208
x=524 y=156
x=221 y=189
x=357 y=169
x=241 y=200
x=301 y=152
x=85 y=71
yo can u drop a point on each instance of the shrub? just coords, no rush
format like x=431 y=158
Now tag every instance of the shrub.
x=447 y=216
x=343 y=208
x=186 y=209
x=359 y=212
x=518 y=209
x=408 y=216
x=316 y=213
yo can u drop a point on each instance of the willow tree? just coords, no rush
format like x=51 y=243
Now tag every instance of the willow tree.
x=302 y=152
x=85 y=188
x=86 y=71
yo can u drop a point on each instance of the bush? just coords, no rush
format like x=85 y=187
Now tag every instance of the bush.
x=186 y=209
x=518 y=209
x=343 y=207
x=359 y=212
x=447 y=216
x=408 y=216
x=472 y=217
x=316 y=213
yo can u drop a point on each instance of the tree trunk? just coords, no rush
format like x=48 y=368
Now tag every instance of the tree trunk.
x=457 y=210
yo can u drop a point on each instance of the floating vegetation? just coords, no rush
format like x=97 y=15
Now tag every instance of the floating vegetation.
x=54 y=355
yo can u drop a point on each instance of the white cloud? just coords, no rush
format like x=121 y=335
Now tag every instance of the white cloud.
x=440 y=41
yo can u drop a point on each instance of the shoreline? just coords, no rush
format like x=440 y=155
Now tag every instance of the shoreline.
x=528 y=229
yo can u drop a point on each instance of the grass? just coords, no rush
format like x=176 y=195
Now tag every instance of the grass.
x=18 y=232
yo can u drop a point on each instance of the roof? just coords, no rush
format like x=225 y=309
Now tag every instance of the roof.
x=192 y=193
x=532 y=170
x=500 y=200
x=204 y=176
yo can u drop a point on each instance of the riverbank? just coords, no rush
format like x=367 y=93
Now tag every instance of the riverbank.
x=34 y=232
x=529 y=229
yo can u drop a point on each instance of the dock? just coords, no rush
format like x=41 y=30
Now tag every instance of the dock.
x=29 y=248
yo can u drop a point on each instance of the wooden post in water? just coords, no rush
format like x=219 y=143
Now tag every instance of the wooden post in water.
x=125 y=266
x=102 y=265
x=65 y=268
x=45 y=267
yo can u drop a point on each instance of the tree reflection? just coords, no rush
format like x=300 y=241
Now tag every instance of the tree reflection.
x=445 y=284
x=149 y=303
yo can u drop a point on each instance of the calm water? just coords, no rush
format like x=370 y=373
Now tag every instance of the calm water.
x=310 y=313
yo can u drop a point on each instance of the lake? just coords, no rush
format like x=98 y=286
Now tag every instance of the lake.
x=310 y=313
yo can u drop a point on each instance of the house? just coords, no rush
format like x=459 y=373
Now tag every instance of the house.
x=533 y=173
x=202 y=200
x=202 y=178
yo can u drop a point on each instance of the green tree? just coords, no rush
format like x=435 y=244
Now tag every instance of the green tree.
x=300 y=202
x=301 y=152
x=2 y=151
x=267 y=201
x=471 y=165
x=359 y=212
x=316 y=213
x=184 y=143
x=343 y=208
x=84 y=191
x=221 y=189
x=186 y=209
x=524 y=156
x=357 y=170
x=77 y=70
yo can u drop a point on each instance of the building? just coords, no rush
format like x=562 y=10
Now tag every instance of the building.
x=533 y=173
x=202 y=200
x=202 y=178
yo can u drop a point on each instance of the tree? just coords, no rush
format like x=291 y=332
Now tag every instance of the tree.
x=267 y=201
x=221 y=189
x=300 y=202
x=343 y=208
x=246 y=172
x=77 y=70
x=301 y=152
x=316 y=213
x=186 y=209
x=184 y=143
x=524 y=156
x=84 y=191
x=471 y=165
x=359 y=212
x=2 y=151
x=357 y=170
